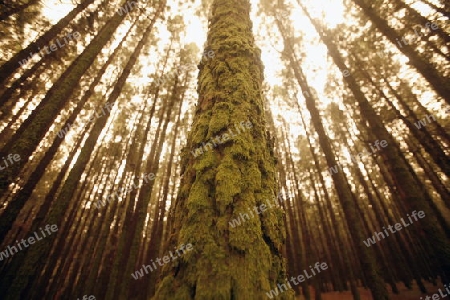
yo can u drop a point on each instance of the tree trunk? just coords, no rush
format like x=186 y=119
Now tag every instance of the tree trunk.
x=34 y=128
x=229 y=179
x=438 y=82
x=366 y=255
x=408 y=188
x=5 y=14
x=8 y=68
x=19 y=200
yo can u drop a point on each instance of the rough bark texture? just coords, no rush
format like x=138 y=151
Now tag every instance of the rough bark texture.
x=229 y=179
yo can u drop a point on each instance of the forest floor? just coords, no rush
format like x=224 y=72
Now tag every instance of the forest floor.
x=404 y=294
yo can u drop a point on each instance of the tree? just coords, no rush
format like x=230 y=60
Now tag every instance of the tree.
x=411 y=190
x=228 y=179
x=426 y=68
x=28 y=136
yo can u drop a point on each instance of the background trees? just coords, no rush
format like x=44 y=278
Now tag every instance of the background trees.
x=105 y=126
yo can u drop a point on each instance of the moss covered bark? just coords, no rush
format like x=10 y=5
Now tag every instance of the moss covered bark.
x=233 y=177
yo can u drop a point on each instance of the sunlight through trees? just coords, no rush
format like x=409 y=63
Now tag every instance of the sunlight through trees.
x=224 y=149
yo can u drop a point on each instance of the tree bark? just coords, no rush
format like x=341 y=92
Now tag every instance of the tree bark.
x=228 y=179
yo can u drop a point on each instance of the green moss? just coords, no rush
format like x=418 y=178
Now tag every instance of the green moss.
x=245 y=261
x=201 y=129
x=221 y=120
x=241 y=148
x=253 y=178
x=206 y=161
x=228 y=182
x=198 y=196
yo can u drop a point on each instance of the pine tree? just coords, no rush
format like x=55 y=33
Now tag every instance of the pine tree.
x=230 y=178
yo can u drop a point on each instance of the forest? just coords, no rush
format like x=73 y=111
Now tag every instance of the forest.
x=225 y=149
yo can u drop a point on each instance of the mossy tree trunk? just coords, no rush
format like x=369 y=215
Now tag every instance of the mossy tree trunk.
x=232 y=178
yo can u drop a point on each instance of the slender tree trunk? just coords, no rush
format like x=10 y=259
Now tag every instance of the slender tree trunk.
x=366 y=255
x=437 y=183
x=342 y=249
x=33 y=256
x=35 y=127
x=422 y=135
x=16 y=204
x=408 y=187
x=8 y=93
x=8 y=68
x=157 y=230
x=438 y=82
x=440 y=10
x=17 y=9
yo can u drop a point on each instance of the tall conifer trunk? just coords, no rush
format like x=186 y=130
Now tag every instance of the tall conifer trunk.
x=408 y=187
x=231 y=177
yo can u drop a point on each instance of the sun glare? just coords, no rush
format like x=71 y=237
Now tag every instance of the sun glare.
x=314 y=61
x=54 y=10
